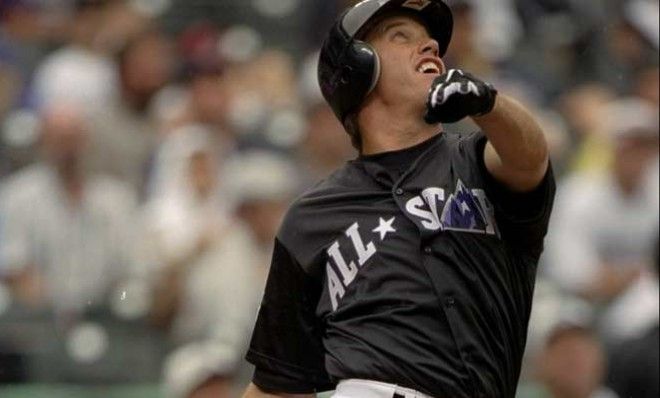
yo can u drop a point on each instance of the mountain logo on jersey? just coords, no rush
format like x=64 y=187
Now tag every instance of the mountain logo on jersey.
x=462 y=212
x=467 y=210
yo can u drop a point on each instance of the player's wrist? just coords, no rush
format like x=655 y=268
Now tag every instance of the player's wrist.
x=490 y=103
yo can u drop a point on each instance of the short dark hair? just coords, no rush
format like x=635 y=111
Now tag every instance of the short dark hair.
x=353 y=130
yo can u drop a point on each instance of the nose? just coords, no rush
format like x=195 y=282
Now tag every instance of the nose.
x=430 y=47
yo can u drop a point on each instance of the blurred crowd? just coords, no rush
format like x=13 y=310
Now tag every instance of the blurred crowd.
x=149 y=148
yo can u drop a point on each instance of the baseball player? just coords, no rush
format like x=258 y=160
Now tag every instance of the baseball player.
x=409 y=272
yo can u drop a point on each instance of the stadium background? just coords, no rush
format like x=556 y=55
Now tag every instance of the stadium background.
x=191 y=124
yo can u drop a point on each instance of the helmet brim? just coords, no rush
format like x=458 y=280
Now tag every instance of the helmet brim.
x=434 y=13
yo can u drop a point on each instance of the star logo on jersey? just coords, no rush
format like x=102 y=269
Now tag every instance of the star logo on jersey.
x=384 y=227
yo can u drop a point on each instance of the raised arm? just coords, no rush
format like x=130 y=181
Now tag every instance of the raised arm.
x=255 y=392
x=517 y=152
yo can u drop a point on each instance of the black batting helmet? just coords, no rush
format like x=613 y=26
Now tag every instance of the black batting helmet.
x=349 y=68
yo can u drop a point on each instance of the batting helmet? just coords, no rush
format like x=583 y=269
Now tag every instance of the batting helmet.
x=349 y=68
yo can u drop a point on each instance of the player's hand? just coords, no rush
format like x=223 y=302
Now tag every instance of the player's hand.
x=457 y=94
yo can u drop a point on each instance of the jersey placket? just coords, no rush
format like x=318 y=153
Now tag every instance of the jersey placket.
x=450 y=303
x=448 y=297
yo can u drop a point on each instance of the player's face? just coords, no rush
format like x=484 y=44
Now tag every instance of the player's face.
x=409 y=60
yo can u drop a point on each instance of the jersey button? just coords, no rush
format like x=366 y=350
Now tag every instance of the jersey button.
x=450 y=302
x=428 y=250
x=399 y=191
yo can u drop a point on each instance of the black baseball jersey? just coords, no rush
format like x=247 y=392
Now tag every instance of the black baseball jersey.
x=413 y=267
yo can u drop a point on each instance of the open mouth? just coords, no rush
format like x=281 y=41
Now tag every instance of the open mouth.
x=429 y=67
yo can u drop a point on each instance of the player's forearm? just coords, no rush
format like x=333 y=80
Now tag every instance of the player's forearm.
x=518 y=151
x=255 y=392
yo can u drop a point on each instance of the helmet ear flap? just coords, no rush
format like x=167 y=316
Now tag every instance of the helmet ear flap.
x=365 y=60
x=353 y=76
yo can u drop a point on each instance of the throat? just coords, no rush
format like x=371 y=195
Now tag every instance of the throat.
x=387 y=132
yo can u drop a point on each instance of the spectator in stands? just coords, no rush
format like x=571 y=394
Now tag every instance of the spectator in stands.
x=67 y=234
x=597 y=243
x=64 y=229
x=219 y=291
x=125 y=133
x=198 y=101
x=629 y=45
x=463 y=51
x=27 y=27
x=321 y=152
x=10 y=86
x=202 y=94
x=261 y=184
x=184 y=226
x=648 y=85
x=79 y=71
x=24 y=32
x=10 y=83
x=261 y=88
x=572 y=365
x=635 y=370
x=582 y=108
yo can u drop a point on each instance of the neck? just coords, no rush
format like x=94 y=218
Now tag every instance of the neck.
x=384 y=129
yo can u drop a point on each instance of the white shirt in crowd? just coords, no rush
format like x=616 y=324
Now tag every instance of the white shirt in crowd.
x=80 y=252
x=594 y=224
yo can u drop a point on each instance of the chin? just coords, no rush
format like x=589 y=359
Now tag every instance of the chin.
x=424 y=84
x=430 y=77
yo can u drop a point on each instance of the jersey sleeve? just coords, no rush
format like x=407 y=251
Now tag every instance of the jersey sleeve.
x=523 y=218
x=286 y=346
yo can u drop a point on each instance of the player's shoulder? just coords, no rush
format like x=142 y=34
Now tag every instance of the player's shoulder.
x=321 y=194
x=342 y=182
x=313 y=214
